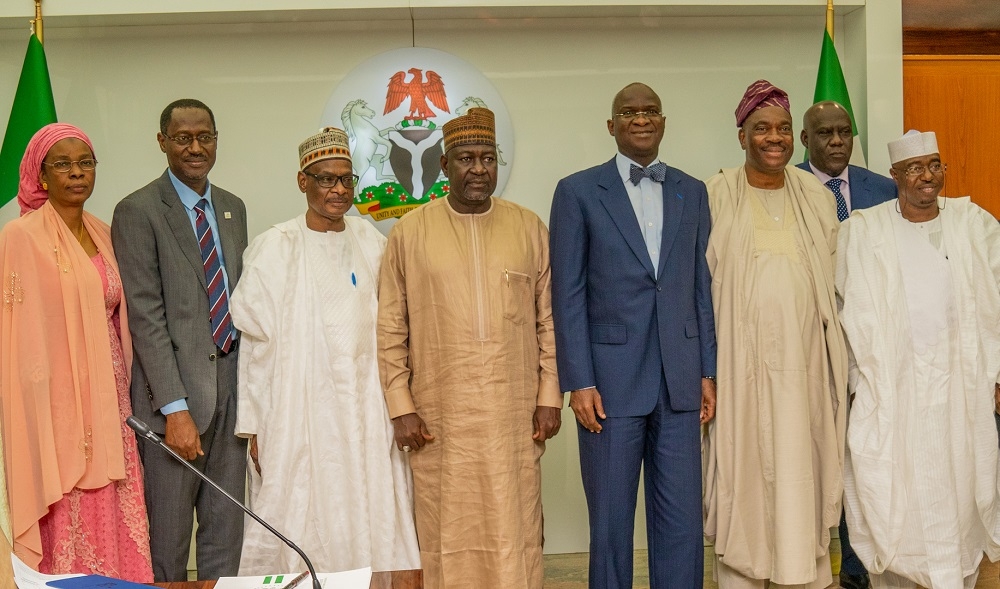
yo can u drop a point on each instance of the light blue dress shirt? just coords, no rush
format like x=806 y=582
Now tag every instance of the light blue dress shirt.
x=647 y=202
x=189 y=198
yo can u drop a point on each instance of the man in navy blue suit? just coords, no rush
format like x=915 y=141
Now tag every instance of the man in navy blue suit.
x=635 y=344
x=829 y=136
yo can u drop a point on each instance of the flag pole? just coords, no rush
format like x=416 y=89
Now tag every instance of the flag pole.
x=829 y=17
x=37 y=23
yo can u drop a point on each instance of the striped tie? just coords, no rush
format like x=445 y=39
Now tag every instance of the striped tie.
x=218 y=300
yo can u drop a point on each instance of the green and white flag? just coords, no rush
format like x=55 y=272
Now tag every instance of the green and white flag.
x=831 y=85
x=33 y=108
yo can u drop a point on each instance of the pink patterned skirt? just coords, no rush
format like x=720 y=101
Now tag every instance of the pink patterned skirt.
x=103 y=531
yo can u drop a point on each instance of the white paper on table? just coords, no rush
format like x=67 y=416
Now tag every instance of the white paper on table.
x=356 y=579
x=26 y=577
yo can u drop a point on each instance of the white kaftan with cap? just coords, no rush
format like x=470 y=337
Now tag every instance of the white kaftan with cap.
x=921 y=311
x=331 y=478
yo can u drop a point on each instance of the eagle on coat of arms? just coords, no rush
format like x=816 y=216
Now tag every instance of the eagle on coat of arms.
x=418 y=91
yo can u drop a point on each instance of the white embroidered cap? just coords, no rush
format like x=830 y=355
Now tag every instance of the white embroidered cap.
x=912 y=144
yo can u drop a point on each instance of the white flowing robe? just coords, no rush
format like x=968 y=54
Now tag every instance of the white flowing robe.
x=921 y=486
x=332 y=479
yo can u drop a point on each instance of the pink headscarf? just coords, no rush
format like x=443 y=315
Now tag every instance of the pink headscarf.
x=760 y=94
x=30 y=194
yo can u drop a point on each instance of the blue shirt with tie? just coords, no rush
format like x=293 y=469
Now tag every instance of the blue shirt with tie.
x=189 y=198
x=647 y=202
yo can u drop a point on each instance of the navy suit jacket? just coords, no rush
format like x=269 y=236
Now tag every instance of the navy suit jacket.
x=617 y=327
x=867 y=188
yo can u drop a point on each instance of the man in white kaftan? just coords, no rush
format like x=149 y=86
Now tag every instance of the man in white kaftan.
x=919 y=284
x=325 y=470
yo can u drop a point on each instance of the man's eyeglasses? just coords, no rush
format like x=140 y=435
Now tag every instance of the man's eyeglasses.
x=185 y=140
x=918 y=170
x=64 y=166
x=630 y=115
x=349 y=181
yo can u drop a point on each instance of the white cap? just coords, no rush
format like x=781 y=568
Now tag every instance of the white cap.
x=913 y=144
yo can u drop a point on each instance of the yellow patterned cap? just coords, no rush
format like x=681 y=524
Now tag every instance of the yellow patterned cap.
x=476 y=127
x=330 y=143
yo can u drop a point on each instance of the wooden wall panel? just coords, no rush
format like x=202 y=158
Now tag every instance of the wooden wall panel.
x=958 y=97
x=950 y=42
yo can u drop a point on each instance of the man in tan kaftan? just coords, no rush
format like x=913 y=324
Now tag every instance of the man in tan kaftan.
x=467 y=361
x=919 y=279
x=773 y=464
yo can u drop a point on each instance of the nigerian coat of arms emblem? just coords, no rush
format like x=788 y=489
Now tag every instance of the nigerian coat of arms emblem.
x=392 y=107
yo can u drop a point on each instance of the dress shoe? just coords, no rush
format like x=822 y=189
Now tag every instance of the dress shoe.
x=854 y=581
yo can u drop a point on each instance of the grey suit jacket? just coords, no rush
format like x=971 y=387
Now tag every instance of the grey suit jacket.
x=164 y=282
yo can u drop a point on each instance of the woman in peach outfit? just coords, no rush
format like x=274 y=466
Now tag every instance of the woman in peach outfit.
x=73 y=473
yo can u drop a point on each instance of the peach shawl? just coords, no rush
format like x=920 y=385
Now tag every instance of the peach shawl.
x=61 y=422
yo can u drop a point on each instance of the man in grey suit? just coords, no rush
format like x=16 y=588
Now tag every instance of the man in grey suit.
x=829 y=136
x=180 y=243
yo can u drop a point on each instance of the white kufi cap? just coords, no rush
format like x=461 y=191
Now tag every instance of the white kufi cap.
x=913 y=144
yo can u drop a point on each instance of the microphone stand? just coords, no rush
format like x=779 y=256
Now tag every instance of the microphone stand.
x=143 y=430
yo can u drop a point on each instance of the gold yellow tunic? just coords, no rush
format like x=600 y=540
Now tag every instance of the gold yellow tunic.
x=465 y=339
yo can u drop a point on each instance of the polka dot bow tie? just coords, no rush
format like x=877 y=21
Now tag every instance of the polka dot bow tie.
x=656 y=173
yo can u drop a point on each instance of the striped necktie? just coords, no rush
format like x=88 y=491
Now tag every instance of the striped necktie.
x=834 y=185
x=218 y=300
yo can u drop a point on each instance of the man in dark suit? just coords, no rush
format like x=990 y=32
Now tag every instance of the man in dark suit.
x=635 y=344
x=829 y=136
x=180 y=243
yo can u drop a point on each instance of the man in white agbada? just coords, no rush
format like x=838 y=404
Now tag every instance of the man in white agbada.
x=919 y=283
x=325 y=471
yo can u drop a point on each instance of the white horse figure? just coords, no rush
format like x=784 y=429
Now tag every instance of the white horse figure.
x=476 y=102
x=470 y=102
x=357 y=118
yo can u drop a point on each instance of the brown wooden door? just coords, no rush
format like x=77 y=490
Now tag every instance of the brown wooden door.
x=958 y=97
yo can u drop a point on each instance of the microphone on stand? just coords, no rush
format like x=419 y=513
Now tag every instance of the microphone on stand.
x=143 y=430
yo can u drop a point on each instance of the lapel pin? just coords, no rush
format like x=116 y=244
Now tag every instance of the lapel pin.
x=227 y=215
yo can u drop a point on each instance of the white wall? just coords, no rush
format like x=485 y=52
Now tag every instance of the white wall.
x=268 y=84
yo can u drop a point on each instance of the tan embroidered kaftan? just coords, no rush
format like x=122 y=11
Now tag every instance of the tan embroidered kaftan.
x=775 y=450
x=465 y=339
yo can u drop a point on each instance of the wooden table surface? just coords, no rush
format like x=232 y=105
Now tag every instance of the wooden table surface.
x=383 y=580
